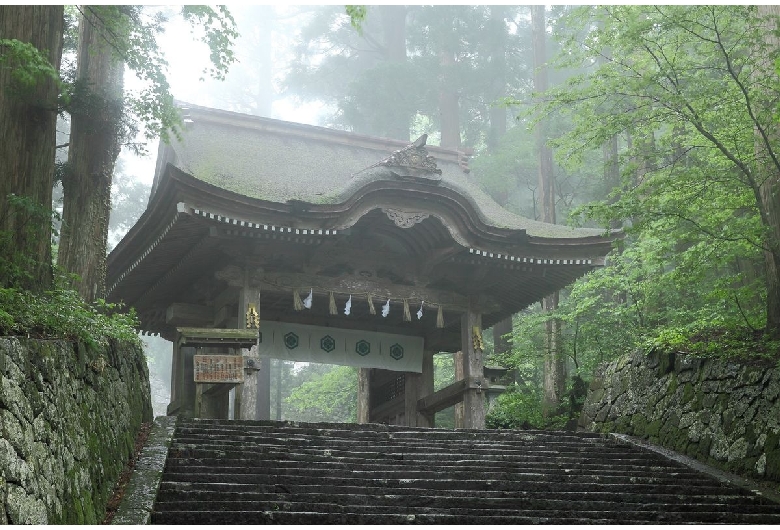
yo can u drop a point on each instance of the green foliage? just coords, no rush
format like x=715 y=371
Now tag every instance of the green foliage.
x=219 y=33
x=30 y=218
x=62 y=313
x=522 y=408
x=130 y=32
x=682 y=91
x=705 y=339
x=28 y=65
x=357 y=14
x=331 y=396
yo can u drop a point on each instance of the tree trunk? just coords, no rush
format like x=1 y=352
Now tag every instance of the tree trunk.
x=27 y=145
x=393 y=18
x=554 y=362
x=94 y=147
x=770 y=195
x=497 y=111
x=448 y=102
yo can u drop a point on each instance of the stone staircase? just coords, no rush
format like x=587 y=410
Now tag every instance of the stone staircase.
x=255 y=472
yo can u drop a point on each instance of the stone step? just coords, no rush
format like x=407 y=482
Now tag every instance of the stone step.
x=371 y=429
x=311 y=517
x=517 y=482
x=339 y=463
x=588 y=500
x=249 y=472
x=434 y=435
x=571 y=493
x=188 y=445
x=545 y=474
x=651 y=512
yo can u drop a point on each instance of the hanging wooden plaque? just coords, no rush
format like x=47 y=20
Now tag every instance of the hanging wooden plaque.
x=219 y=368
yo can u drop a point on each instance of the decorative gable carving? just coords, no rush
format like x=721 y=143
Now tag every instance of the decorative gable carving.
x=404 y=218
x=413 y=161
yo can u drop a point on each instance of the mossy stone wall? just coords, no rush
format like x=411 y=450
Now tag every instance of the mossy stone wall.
x=721 y=412
x=69 y=416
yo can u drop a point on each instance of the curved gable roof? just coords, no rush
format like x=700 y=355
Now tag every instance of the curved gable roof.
x=278 y=161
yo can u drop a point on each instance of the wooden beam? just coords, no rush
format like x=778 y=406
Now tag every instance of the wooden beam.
x=388 y=409
x=210 y=337
x=444 y=398
x=356 y=285
x=215 y=389
x=179 y=314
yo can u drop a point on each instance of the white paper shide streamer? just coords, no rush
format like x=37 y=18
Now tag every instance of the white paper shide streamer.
x=348 y=307
x=419 y=311
x=307 y=300
x=386 y=308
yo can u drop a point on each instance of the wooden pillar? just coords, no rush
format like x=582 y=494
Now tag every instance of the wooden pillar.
x=411 y=395
x=198 y=409
x=175 y=377
x=457 y=359
x=363 y=401
x=253 y=398
x=237 y=399
x=426 y=388
x=263 y=403
x=473 y=369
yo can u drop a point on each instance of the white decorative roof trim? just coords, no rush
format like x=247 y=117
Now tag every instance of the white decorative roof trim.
x=538 y=261
x=258 y=226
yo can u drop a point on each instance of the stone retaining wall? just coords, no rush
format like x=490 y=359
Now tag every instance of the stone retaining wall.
x=69 y=416
x=723 y=413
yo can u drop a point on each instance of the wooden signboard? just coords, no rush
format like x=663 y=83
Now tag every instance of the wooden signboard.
x=219 y=368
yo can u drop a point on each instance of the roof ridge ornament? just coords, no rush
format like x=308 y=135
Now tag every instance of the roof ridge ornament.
x=413 y=162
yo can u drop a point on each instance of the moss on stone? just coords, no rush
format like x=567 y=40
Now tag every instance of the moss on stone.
x=672 y=388
x=82 y=427
x=687 y=393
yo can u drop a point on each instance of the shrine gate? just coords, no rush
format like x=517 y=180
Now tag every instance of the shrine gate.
x=266 y=239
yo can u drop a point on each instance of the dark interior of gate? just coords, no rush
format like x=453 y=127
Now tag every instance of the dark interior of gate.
x=256 y=220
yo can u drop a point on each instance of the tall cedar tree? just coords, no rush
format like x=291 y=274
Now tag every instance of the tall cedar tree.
x=554 y=361
x=28 y=116
x=110 y=37
x=96 y=115
x=769 y=170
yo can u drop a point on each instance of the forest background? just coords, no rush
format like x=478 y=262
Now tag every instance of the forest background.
x=660 y=121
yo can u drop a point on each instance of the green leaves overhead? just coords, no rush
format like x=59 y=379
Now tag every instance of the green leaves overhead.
x=131 y=32
x=28 y=65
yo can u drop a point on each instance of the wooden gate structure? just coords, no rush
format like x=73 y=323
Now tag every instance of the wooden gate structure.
x=294 y=225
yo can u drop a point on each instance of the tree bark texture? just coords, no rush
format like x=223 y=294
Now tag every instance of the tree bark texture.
x=449 y=106
x=27 y=143
x=554 y=362
x=546 y=180
x=94 y=148
x=497 y=111
x=555 y=372
x=770 y=195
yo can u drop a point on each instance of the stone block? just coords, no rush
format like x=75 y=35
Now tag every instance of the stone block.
x=23 y=508
x=761 y=465
x=772 y=388
x=737 y=450
x=666 y=362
